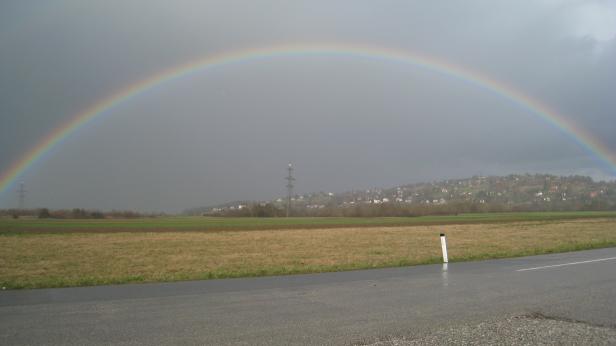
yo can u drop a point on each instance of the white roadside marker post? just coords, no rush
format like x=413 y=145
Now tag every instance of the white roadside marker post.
x=444 y=247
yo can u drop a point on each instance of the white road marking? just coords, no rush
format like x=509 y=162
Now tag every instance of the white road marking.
x=567 y=264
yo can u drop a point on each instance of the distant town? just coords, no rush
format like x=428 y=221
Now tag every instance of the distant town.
x=477 y=194
x=518 y=192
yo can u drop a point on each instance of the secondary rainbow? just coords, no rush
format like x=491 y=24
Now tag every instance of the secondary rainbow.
x=105 y=105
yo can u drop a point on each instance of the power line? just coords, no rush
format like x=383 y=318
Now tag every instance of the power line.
x=290 y=181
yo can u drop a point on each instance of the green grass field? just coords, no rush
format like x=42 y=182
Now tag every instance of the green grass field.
x=170 y=224
x=60 y=253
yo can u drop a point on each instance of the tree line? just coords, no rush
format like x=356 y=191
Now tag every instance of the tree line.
x=75 y=213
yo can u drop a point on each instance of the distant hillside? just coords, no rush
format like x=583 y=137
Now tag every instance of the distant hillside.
x=219 y=207
x=526 y=192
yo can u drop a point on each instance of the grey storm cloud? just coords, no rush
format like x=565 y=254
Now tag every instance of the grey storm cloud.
x=346 y=123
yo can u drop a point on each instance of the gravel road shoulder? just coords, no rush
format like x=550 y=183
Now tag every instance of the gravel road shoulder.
x=519 y=330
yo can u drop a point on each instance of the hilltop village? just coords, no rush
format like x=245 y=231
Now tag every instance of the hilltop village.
x=524 y=192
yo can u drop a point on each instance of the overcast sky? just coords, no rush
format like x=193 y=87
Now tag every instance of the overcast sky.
x=345 y=122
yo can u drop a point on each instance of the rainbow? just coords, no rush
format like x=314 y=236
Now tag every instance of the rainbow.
x=53 y=139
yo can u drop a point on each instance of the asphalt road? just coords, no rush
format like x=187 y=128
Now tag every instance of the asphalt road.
x=332 y=308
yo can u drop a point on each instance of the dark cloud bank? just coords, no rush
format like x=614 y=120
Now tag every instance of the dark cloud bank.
x=346 y=123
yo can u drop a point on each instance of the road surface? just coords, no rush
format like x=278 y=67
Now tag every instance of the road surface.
x=332 y=308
